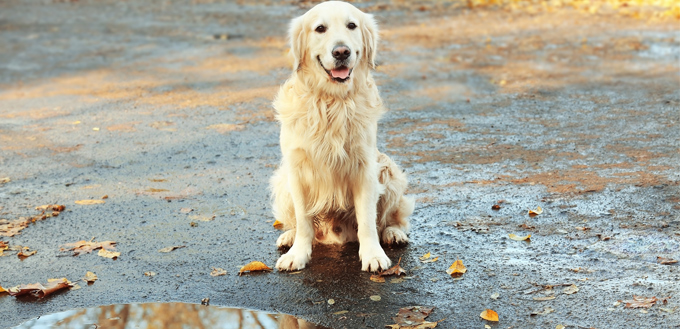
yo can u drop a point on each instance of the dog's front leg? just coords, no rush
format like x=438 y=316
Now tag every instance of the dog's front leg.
x=299 y=254
x=366 y=195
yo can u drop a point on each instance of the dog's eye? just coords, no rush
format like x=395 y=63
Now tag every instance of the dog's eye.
x=320 y=29
x=351 y=26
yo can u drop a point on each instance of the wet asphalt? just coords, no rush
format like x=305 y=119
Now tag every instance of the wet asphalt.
x=166 y=105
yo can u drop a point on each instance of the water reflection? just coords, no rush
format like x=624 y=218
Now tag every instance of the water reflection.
x=166 y=316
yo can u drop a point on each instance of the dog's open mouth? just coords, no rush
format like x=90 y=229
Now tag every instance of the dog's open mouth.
x=338 y=74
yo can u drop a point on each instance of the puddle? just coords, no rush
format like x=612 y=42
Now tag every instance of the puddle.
x=166 y=315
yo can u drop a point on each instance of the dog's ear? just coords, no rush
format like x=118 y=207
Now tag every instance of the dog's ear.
x=298 y=42
x=369 y=34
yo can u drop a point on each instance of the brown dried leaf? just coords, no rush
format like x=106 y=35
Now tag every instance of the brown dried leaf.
x=14 y=227
x=89 y=202
x=90 y=277
x=25 y=253
x=38 y=290
x=489 y=315
x=169 y=249
x=108 y=254
x=457 y=268
x=253 y=266
x=665 y=261
x=85 y=247
x=640 y=302
x=413 y=317
x=217 y=271
x=496 y=207
x=377 y=278
x=394 y=270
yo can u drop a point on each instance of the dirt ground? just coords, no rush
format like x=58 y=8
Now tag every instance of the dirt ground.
x=165 y=105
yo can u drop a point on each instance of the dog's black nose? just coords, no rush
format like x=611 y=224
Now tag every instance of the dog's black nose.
x=341 y=52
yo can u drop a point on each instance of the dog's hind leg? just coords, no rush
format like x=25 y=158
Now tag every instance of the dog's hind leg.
x=283 y=208
x=394 y=208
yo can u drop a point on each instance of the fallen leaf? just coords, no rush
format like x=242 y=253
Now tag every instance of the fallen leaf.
x=640 y=302
x=544 y=298
x=375 y=298
x=90 y=202
x=331 y=301
x=377 y=278
x=90 y=277
x=536 y=212
x=572 y=289
x=665 y=261
x=496 y=207
x=394 y=270
x=4 y=180
x=457 y=268
x=85 y=247
x=216 y=271
x=2 y=289
x=397 y=280
x=582 y=228
x=106 y=196
x=254 y=266
x=149 y=273
x=24 y=253
x=413 y=317
x=186 y=210
x=278 y=225
x=495 y=295
x=545 y=311
x=559 y=326
x=489 y=315
x=38 y=290
x=51 y=207
x=12 y=228
x=431 y=260
x=526 y=226
x=108 y=254
x=424 y=257
x=169 y=249
x=519 y=238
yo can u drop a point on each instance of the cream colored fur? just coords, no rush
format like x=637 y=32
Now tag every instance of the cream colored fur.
x=333 y=186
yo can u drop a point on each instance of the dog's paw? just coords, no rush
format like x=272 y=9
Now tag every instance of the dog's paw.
x=373 y=258
x=286 y=239
x=293 y=260
x=394 y=236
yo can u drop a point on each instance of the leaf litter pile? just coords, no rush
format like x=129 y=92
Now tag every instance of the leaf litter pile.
x=11 y=228
x=106 y=248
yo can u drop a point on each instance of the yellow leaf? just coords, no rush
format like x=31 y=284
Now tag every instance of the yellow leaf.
x=536 y=212
x=278 y=225
x=431 y=260
x=424 y=257
x=90 y=277
x=489 y=315
x=457 y=268
x=254 y=267
x=2 y=289
x=108 y=254
x=90 y=202
x=559 y=326
x=519 y=238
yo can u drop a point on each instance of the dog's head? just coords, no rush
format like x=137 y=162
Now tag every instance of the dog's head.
x=334 y=39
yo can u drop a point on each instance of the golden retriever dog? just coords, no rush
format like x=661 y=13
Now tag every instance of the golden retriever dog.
x=333 y=186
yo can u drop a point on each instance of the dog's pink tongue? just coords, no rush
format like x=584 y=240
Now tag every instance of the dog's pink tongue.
x=340 y=73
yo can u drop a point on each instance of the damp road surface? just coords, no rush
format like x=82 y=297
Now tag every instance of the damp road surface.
x=160 y=111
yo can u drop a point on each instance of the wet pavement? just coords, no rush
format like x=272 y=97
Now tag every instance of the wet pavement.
x=163 y=105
